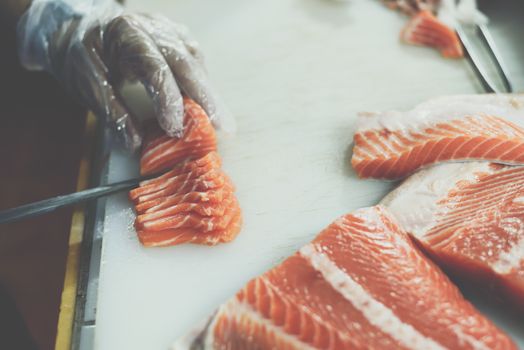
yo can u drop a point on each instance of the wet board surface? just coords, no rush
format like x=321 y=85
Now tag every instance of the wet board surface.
x=294 y=73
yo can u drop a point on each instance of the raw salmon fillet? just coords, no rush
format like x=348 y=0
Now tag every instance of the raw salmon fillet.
x=470 y=218
x=361 y=284
x=427 y=30
x=193 y=201
x=161 y=151
x=392 y=145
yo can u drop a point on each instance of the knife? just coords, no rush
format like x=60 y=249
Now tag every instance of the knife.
x=48 y=205
x=466 y=35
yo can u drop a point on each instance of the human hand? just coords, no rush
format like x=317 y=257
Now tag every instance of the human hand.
x=91 y=46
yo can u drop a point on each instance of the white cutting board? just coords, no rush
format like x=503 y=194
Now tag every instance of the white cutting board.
x=294 y=73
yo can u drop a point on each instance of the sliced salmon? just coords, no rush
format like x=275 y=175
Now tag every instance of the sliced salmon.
x=191 y=235
x=212 y=196
x=392 y=145
x=202 y=209
x=204 y=223
x=171 y=182
x=361 y=284
x=186 y=183
x=200 y=165
x=193 y=201
x=174 y=217
x=427 y=30
x=161 y=152
x=470 y=218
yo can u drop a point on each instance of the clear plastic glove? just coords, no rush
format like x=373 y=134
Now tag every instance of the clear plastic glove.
x=92 y=46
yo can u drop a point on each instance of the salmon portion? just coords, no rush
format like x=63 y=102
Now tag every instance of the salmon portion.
x=194 y=200
x=191 y=235
x=186 y=183
x=361 y=284
x=168 y=179
x=207 y=208
x=218 y=218
x=432 y=23
x=196 y=166
x=392 y=145
x=471 y=222
x=211 y=196
x=425 y=29
x=161 y=152
x=194 y=203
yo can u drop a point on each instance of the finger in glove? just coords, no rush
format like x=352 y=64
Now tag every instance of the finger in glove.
x=131 y=51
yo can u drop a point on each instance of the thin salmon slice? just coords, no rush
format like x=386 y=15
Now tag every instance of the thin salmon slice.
x=211 y=196
x=191 y=219
x=427 y=30
x=470 y=218
x=203 y=164
x=191 y=235
x=392 y=145
x=170 y=181
x=361 y=284
x=202 y=209
x=432 y=23
x=161 y=152
x=186 y=183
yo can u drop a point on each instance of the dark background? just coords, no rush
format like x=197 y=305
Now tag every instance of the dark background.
x=41 y=135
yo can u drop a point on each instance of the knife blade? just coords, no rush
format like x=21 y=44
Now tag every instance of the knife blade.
x=48 y=205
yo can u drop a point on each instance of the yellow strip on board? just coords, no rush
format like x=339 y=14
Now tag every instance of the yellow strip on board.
x=67 y=304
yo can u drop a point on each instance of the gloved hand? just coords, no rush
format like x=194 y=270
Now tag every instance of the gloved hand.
x=92 y=46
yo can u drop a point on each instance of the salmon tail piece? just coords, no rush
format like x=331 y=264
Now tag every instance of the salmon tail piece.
x=360 y=284
x=427 y=30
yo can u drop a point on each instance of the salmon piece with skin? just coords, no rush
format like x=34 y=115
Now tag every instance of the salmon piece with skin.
x=392 y=145
x=470 y=219
x=161 y=152
x=361 y=284
x=427 y=30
